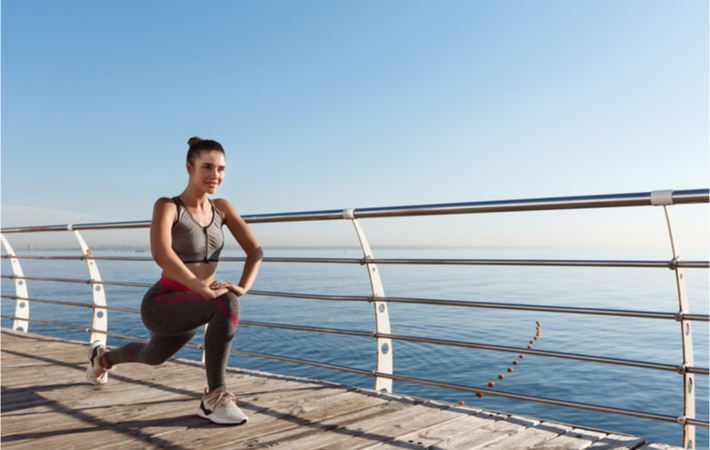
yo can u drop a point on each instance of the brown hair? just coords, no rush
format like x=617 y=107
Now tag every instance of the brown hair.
x=198 y=146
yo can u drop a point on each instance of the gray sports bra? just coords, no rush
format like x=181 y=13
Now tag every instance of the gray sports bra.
x=194 y=243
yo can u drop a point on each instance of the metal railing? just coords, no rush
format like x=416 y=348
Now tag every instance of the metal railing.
x=383 y=370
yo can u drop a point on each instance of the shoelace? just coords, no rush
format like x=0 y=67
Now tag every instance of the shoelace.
x=223 y=399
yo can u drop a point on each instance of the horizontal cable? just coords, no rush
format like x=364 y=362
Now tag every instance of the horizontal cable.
x=284 y=326
x=350 y=298
x=63 y=303
x=303 y=361
x=47 y=322
x=697 y=422
x=552 y=354
x=480 y=346
x=80 y=281
x=83 y=226
x=549 y=401
x=51 y=302
x=552 y=309
x=494 y=262
x=81 y=258
x=492 y=305
x=85 y=329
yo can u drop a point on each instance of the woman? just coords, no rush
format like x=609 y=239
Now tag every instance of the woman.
x=186 y=240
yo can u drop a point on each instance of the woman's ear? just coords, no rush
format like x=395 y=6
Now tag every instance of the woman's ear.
x=190 y=169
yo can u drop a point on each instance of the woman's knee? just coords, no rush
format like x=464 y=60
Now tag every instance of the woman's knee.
x=232 y=301
x=228 y=307
x=155 y=360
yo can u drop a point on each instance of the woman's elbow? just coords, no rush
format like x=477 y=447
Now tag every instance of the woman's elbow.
x=159 y=257
x=256 y=254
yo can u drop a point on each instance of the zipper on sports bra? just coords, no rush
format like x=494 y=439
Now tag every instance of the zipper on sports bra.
x=207 y=242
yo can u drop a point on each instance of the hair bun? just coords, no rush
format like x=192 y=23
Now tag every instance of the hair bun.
x=194 y=140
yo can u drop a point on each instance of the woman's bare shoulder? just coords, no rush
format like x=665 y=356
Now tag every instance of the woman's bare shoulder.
x=162 y=201
x=225 y=208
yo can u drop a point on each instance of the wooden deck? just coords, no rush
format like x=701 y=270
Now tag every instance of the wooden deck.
x=47 y=404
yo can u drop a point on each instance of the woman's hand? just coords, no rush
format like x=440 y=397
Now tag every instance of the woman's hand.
x=238 y=290
x=213 y=293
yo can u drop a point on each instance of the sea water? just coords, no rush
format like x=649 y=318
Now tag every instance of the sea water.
x=615 y=386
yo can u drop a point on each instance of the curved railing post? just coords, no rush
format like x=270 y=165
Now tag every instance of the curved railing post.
x=665 y=199
x=382 y=318
x=99 y=321
x=22 y=305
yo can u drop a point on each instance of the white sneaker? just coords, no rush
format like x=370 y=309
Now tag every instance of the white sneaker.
x=221 y=407
x=96 y=374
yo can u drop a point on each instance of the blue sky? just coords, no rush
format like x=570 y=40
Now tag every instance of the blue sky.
x=327 y=105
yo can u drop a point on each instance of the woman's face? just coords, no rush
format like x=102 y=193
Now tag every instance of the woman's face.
x=208 y=171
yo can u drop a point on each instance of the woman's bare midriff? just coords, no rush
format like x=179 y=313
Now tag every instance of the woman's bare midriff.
x=203 y=271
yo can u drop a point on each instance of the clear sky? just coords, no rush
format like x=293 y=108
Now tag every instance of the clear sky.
x=338 y=104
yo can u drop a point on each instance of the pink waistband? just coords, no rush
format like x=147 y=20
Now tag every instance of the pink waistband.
x=173 y=285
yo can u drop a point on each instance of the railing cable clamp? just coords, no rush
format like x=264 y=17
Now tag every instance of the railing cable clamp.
x=682 y=369
x=661 y=198
x=678 y=317
x=682 y=420
x=673 y=263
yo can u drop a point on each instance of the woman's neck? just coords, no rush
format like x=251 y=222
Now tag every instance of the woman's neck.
x=193 y=198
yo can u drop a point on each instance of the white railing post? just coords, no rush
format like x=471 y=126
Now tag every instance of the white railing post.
x=22 y=305
x=382 y=318
x=99 y=321
x=665 y=199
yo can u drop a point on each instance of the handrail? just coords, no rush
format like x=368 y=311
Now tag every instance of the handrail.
x=535 y=204
x=383 y=373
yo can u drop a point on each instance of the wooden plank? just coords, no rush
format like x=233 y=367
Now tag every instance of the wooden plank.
x=372 y=430
x=439 y=435
x=270 y=426
x=575 y=439
x=657 y=447
x=617 y=442
x=144 y=407
x=529 y=437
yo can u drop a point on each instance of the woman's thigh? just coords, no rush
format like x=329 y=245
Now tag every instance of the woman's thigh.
x=173 y=313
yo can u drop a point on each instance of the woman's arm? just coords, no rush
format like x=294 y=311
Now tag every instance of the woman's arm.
x=246 y=239
x=164 y=215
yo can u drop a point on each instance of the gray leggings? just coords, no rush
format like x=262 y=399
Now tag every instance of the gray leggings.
x=174 y=318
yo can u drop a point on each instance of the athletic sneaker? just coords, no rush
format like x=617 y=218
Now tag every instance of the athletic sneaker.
x=96 y=374
x=221 y=407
